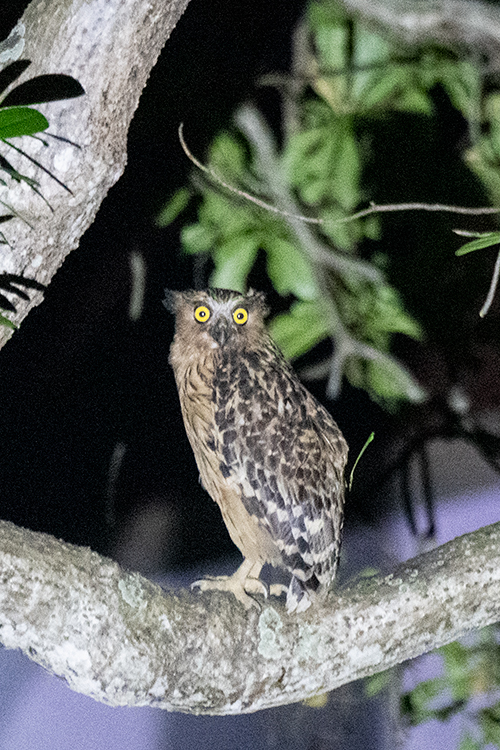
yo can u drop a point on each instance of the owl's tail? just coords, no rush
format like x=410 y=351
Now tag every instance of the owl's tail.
x=301 y=594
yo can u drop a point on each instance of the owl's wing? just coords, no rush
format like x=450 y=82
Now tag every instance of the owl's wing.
x=288 y=456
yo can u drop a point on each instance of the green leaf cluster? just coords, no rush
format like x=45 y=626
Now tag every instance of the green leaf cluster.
x=18 y=118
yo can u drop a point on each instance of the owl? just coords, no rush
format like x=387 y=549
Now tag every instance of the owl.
x=268 y=453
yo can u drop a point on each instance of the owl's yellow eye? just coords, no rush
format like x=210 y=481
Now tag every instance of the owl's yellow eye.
x=202 y=314
x=240 y=316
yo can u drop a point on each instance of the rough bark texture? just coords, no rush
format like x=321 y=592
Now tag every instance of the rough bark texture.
x=122 y=640
x=475 y=25
x=109 y=46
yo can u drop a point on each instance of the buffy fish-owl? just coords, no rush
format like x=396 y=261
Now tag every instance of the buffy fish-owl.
x=268 y=453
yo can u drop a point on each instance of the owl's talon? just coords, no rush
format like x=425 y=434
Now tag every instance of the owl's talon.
x=207 y=578
x=228 y=583
x=256 y=586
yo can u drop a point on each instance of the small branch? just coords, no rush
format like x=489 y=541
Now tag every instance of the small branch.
x=373 y=208
x=122 y=640
x=376 y=209
x=241 y=193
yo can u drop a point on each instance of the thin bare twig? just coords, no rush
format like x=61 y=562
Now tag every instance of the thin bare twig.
x=237 y=191
x=374 y=209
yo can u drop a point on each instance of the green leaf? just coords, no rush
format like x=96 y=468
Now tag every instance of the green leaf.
x=227 y=156
x=490 y=238
x=288 y=269
x=15 y=175
x=45 y=88
x=378 y=682
x=368 y=440
x=331 y=33
x=6 y=322
x=344 y=235
x=224 y=217
x=173 y=207
x=21 y=121
x=458 y=669
x=323 y=162
x=389 y=381
x=297 y=331
x=347 y=170
x=388 y=314
x=300 y=149
x=233 y=262
x=416 y=703
x=490 y=724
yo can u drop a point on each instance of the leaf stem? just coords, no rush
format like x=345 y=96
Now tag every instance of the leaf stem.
x=492 y=289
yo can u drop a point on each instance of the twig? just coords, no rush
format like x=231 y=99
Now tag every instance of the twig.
x=237 y=191
x=374 y=209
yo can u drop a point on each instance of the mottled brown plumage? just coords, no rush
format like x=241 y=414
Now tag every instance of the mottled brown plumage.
x=268 y=453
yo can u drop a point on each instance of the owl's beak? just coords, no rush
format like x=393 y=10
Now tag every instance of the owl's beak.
x=220 y=331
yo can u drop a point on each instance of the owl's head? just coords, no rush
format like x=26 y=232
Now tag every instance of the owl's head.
x=216 y=317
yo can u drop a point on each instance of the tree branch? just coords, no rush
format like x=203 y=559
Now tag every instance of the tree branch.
x=109 y=46
x=122 y=640
x=448 y=22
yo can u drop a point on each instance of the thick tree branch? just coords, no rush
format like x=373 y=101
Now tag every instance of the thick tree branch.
x=124 y=641
x=109 y=46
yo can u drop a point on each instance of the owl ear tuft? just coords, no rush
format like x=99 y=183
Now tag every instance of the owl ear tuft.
x=258 y=300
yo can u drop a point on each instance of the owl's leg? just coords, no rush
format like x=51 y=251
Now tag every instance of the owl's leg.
x=245 y=579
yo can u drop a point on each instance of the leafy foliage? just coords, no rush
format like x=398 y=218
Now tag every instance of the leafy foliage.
x=17 y=119
x=346 y=75
x=468 y=684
